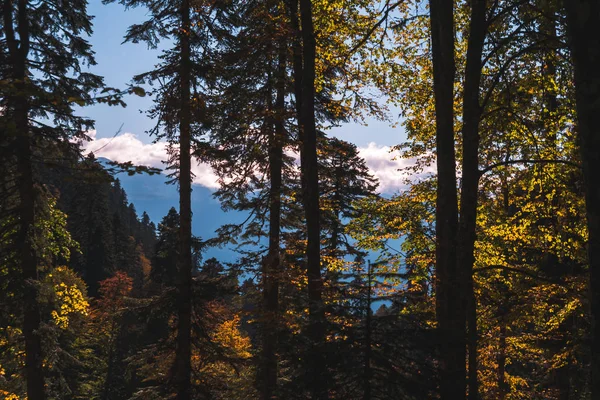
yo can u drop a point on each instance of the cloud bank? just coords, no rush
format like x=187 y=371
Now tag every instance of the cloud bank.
x=383 y=163
x=127 y=147
x=387 y=166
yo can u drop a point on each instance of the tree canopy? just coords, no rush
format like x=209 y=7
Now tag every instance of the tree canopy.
x=478 y=278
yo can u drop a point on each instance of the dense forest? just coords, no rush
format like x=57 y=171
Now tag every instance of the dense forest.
x=479 y=280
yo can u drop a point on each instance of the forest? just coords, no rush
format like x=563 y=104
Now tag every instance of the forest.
x=480 y=279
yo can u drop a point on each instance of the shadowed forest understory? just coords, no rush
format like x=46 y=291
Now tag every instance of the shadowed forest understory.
x=479 y=279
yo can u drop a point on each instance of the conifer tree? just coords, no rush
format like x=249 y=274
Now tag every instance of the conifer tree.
x=164 y=261
x=180 y=112
x=43 y=52
x=345 y=179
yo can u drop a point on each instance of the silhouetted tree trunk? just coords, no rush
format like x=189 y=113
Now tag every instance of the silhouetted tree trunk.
x=292 y=8
x=272 y=264
x=183 y=368
x=470 y=179
x=503 y=308
x=501 y=360
x=367 y=366
x=309 y=170
x=18 y=50
x=583 y=25
x=449 y=308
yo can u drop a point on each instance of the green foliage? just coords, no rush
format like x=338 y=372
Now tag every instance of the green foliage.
x=107 y=282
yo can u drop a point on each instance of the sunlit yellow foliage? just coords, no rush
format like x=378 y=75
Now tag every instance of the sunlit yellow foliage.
x=351 y=73
x=9 y=396
x=228 y=335
x=68 y=296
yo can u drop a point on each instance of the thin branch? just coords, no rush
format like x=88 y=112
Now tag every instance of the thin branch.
x=389 y=8
x=111 y=139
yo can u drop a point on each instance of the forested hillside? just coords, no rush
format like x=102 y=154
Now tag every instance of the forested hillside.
x=478 y=279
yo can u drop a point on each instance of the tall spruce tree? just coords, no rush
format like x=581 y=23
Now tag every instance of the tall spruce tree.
x=43 y=51
x=345 y=179
x=180 y=112
x=164 y=261
x=254 y=87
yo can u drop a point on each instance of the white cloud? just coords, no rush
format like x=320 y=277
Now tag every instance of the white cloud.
x=127 y=147
x=384 y=164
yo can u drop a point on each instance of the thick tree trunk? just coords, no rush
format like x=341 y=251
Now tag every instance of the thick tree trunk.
x=309 y=169
x=470 y=179
x=272 y=264
x=18 y=53
x=31 y=317
x=449 y=309
x=183 y=367
x=583 y=25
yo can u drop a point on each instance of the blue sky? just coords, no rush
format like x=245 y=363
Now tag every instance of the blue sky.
x=119 y=62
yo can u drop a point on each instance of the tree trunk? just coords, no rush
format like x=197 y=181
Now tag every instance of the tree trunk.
x=183 y=367
x=18 y=51
x=449 y=313
x=367 y=366
x=292 y=8
x=583 y=25
x=470 y=179
x=337 y=201
x=503 y=309
x=272 y=264
x=502 y=389
x=31 y=317
x=309 y=170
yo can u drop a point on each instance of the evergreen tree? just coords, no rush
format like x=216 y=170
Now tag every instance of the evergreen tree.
x=181 y=119
x=43 y=52
x=345 y=179
x=255 y=86
x=164 y=262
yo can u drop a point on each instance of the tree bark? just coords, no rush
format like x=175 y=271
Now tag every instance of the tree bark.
x=502 y=390
x=449 y=313
x=470 y=179
x=18 y=51
x=367 y=367
x=183 y=366
x=292 y=8
x=309 y=170
x=583 y=26
x=31 y=318
x=272 y=264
